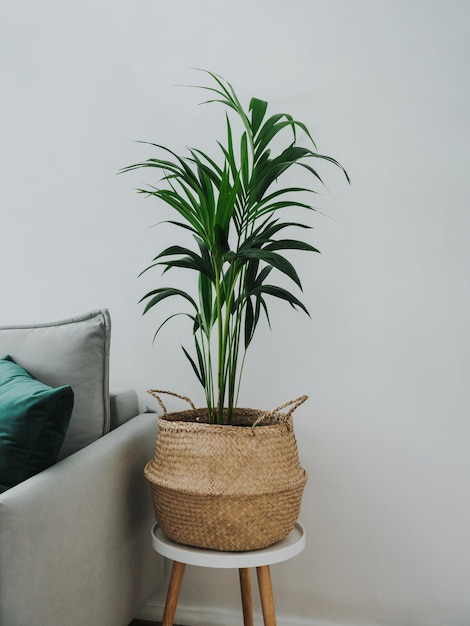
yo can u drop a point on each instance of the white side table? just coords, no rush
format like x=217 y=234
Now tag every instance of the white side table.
x=181 y=556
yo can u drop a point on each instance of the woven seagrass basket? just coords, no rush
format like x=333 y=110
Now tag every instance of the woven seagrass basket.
x=226 y=487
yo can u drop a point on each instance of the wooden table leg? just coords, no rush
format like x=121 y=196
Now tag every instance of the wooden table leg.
x=247 y=602
x=177 y=573
x=266 y=595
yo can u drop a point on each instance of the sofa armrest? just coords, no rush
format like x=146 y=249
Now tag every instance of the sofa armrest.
x=124 y=405
x=75 y=543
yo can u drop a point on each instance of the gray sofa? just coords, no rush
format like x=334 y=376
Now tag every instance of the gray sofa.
x=75 y=544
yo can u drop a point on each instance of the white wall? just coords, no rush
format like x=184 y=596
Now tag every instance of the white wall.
x=385 y=88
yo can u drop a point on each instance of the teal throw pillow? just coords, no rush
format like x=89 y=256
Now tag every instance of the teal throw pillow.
x=33 y=422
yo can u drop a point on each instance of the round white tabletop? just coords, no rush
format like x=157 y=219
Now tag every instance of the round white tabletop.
x=285 y=549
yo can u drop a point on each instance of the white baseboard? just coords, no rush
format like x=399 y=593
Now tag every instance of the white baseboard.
x=201 y=616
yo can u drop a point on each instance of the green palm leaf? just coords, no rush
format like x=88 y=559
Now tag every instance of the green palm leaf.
x=271 y=258
x=198 y=370
x=258 y=110
x=158 y=295
x=283 y=294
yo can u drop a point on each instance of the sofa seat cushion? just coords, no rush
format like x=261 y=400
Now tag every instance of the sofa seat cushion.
x=71 y=352
x=33 y=422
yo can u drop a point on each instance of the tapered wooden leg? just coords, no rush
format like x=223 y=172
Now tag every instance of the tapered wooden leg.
x=247 y=601
x=266 y=595
x=177 y=573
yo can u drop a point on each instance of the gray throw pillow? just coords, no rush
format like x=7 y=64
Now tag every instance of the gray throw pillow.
x=71 y=352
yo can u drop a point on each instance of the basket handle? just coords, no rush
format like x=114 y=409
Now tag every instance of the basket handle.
x=154 y=393
x=295 y=404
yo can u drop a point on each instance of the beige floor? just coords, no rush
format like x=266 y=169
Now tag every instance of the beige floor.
x=139 y=622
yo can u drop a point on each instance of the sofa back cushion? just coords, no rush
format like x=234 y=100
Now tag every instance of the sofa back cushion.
x=33 y=422
x=71 y=352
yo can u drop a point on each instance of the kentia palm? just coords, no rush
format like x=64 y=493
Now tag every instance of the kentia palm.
x=215 y=484
x=233 y=206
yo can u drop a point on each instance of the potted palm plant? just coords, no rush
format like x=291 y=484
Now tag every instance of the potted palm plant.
x=241 y=465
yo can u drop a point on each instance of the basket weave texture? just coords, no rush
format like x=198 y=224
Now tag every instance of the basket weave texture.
x=226 y=487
